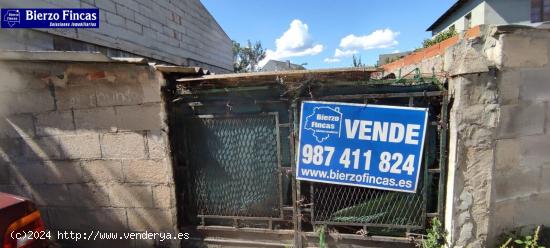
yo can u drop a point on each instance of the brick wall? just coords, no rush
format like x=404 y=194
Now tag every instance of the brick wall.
x=86 y=143
x=181 y=32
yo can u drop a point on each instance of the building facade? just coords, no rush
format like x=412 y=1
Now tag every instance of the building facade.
x=176 y=32
x=465 y=14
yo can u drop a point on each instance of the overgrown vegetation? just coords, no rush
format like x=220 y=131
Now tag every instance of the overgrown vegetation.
x=439 y=37
x=246 y=58
x=527 y=241
x=321 y=231
x=435 y=237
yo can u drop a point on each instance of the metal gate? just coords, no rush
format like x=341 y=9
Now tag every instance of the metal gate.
x=235 y=172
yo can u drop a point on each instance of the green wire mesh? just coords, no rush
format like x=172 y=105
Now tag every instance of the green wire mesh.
x=345 y=204
x=233 y=166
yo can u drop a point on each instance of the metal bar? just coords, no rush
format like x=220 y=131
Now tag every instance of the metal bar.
x=225 y=217
x=385 y=95
x=425 y=187
x=243 y=242
x=245 y=229
x=279 y=166
x=332 y=223
x=232 y=115
x=442 y=159
x=293 y=119
x=338 y=236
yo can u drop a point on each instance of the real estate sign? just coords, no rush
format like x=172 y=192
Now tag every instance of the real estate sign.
x=371 y=146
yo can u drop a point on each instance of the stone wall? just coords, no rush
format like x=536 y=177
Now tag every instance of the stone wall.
x=499 y=160
x=180 y=32
x=87 y=142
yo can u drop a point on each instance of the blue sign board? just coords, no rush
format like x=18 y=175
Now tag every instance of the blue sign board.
x=371 y=146
x=50 y=18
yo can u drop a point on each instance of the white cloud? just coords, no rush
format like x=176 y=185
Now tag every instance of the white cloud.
x=382 y=38
x=295 y=42
x=351 y=44
x=344 y=53
x=332 y=60
x=395 y=51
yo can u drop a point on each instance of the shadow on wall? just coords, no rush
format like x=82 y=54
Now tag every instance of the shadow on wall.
x=87 y=145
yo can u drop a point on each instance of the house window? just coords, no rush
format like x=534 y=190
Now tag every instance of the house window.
x=540 y=10
x=468 y=21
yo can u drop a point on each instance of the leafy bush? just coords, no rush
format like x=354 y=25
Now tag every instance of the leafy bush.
x=526 y=241
x=439 y=37
x=435 y=237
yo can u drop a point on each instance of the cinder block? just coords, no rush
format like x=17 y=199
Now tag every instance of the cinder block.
x=164 y=196
x=102 y=171
x=4 y=173
x=545 y=182
x=95 y=119
x=156 y=144
x=106 y=5
x=143 y=20
x=105 y=219
x=521 y=120
x=41 y=148
x=516 y=182
x=114 y=19
x=115 y=94
x=508 y=87
x=124 y=11
x=16 y=126
x=139 y=117
x=152 y=220
x=533 y=210
x=68 y=219
x=60 y=172
x=89 y=195
x=53 y=195
x=127 y=195
x=20 y=190
x=75 y=97
x=507 y=154
x=81 y=146
x=524 y=51
x=54 y=123
x=123 y=146
x=145 y=171
x=534 y=150
x=27 y=173
x=131 y=25
x=504 y=215
x=535 y=85
x=21 y=102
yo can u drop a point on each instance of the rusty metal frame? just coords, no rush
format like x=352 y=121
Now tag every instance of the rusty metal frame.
x=236 y=219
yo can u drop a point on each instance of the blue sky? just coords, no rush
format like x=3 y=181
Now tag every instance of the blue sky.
x=326 y=34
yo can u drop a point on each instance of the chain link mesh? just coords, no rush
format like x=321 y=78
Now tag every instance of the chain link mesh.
x=345 y=204
x=233 y=166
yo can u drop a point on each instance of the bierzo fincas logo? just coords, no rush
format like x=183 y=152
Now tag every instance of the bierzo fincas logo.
x=11 y=17
x=50 y=18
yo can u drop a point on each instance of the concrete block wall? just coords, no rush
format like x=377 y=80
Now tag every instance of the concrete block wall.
x=180 y=32
x=522 y=168
x=499 y=145
x=87 y=143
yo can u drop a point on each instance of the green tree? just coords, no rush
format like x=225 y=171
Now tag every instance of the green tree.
x=357 y=62
x=246 y=58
